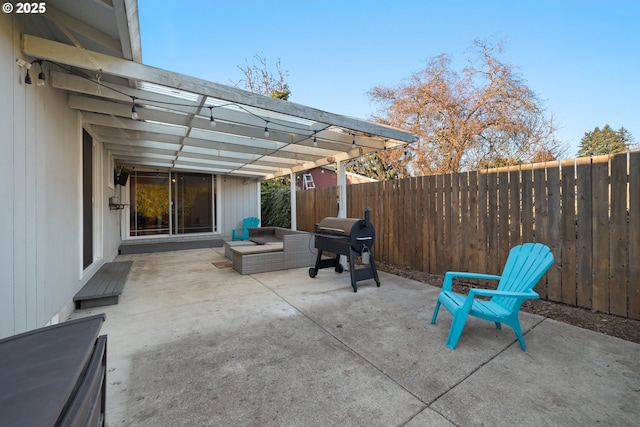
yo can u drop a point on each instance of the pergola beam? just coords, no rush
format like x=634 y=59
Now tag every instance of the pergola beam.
x=71 y=55
x=69 y=23
x=174 y=127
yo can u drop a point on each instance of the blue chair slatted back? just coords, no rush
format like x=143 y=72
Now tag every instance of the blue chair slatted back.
x=250 y=222
x=525 y=266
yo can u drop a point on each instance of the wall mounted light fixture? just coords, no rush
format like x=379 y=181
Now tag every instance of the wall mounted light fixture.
x=134 y=112
x=41 y=79
x=213 y=121
x=27 y=65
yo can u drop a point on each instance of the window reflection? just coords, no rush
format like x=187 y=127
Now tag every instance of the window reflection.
x=177 y=203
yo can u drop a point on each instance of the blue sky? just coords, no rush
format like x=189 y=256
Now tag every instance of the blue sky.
x=581 y=57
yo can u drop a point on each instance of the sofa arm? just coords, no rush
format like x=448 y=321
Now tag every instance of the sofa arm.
x=298 y=250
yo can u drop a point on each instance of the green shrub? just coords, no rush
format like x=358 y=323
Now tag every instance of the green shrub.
x=275 y=204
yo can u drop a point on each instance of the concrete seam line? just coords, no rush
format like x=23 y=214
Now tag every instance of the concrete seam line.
x=483 y=364
x=341 y=342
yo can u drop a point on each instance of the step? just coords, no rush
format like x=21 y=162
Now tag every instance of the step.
x=105 y=287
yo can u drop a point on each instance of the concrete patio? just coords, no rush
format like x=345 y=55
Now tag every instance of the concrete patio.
x=192 y=344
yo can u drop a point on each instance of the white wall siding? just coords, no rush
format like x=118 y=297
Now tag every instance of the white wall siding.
x=111 y=218
x=7 y=135
x=61 y=217
x=40 y=195
x=240 y=199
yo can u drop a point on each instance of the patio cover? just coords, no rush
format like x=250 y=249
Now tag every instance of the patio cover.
x=173 y=130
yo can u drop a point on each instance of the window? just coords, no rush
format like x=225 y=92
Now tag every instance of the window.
x=193 y=203
x=171 y=203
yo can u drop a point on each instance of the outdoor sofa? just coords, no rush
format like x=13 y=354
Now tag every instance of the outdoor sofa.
x=271 y=249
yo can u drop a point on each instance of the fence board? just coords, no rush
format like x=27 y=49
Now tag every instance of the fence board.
x=385 y=192
x=634 y=235
x=465 y=223
x=423 y=187
x=388 y=230
x=619 y=244
x=527 y=204
x=454 y=223
x=584 y=237
x=438 y=225
x=416 y=223
x=417 y=237
x=398 y=205
x=472 y=231
x=600 y=230
x=447 y=219
x=332 y=203
x=503 y=218
x=541 y=219
x=554 y=277
x=405 y=211
x=393 y=225
x=353 y=202
x=493 y=263
x=378 y=217
x=433 y=250
x=414 y=234
x=398 y=225
x=482 y=223
x=303 y=208
x=568 y=227
x=514 y=207
x=384 y=229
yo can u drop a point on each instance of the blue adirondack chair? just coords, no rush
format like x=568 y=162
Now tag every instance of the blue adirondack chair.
x=243 y=233
x=525 y=265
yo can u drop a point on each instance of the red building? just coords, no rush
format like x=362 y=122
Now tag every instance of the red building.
x=327 y=176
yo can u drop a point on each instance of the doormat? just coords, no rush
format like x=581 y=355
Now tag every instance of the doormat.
x=223 y=264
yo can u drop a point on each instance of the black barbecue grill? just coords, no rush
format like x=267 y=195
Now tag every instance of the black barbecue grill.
x=350 y=237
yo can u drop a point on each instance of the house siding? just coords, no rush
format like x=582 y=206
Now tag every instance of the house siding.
x=239 y=200
x=40 y=196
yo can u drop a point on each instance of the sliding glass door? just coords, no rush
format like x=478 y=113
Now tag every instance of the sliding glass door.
x=171 y=203
x=149 y=204
x=192 y=199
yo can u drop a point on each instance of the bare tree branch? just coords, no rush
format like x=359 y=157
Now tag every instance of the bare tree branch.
x=259 y=79
x=483 y=115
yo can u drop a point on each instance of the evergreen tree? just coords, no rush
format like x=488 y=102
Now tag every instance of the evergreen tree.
x=626 y=137
x=605 y=141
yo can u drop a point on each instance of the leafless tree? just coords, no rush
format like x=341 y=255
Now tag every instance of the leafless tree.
x=259 y=79
x=482 y=116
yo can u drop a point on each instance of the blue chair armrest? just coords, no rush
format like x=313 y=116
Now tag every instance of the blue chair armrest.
x=240 y=234
x=494 y=293
x=449 y=275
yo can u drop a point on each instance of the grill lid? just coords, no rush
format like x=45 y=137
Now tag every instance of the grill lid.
x=337 y=226
x=358 y=232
